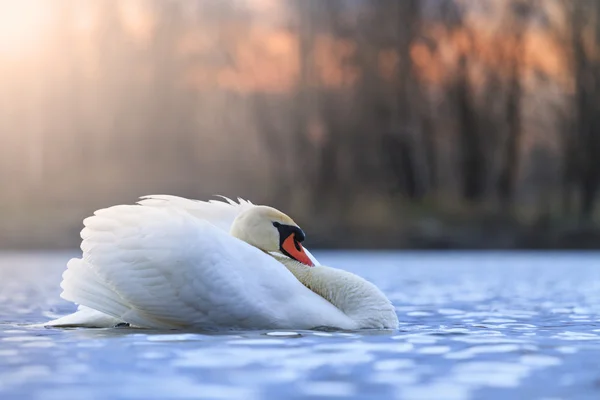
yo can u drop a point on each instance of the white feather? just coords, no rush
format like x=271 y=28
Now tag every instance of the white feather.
x=219 y=213
x=160 y=266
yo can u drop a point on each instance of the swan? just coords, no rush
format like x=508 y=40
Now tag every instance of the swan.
x=169 y=262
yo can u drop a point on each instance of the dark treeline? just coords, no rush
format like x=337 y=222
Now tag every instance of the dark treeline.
x=399 y=123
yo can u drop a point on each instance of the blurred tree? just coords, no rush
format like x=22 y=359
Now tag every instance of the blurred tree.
x=305 y=101
x=402 y=144
x=518 y=15
x=170 y=106
x=585 y=36
x=473 y=161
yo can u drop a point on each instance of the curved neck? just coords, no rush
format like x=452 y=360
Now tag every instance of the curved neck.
x=359 y=299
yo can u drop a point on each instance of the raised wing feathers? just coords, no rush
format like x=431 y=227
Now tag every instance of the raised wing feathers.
x=219 y=213
x=157 y=267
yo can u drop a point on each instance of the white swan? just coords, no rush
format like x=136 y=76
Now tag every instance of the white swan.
x=174 y=263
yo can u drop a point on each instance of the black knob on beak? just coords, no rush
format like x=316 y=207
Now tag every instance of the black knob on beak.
x=300 y=236
x=287 y=230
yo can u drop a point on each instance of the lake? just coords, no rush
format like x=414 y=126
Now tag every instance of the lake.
x=474 y=325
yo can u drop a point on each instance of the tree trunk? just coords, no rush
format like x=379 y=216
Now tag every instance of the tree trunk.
x=472 y=163
x=510 y=169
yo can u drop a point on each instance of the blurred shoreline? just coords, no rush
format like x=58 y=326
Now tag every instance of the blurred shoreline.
x=325 y=231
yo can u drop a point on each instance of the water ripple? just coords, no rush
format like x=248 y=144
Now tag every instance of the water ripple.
x=473 y=326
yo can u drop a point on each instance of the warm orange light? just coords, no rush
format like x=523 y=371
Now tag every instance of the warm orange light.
x=23 y=24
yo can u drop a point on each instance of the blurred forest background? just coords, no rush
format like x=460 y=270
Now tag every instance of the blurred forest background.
x=374 y=123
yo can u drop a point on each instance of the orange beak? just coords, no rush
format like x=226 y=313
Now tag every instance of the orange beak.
x=294 y=249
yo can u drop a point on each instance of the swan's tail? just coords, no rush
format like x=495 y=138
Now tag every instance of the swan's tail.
x=100 y=305
x=82 y=286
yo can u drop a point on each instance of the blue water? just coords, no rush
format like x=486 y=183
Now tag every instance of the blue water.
x=474 y=326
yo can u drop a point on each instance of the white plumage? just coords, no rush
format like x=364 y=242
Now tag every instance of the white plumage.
x=171 y=263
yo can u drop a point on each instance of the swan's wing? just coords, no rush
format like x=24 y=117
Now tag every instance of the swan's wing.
x=219 y=213
x=159 y=267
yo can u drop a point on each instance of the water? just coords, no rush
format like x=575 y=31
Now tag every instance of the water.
x=474 y=326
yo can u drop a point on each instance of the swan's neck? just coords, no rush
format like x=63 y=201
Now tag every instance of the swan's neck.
x=359 y=299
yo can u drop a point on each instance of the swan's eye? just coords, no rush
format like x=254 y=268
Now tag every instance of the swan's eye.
x=276 y=224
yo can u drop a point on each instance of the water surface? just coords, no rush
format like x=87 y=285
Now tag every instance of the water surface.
x=473 y=326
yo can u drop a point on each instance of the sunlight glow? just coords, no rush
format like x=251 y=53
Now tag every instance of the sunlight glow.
x=22 y=26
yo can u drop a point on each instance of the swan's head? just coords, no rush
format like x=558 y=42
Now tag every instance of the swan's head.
x=271 y=231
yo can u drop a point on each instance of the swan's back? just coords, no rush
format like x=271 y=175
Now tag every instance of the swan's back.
x=161 y=267
x=220 y=213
